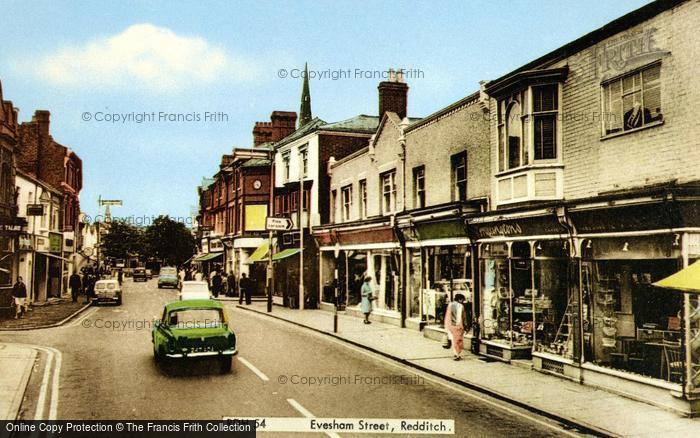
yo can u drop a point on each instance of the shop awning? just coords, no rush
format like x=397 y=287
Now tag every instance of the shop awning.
x=208 y=257
x=685 y=280
x=286 y=253
x=48 y=254
x=260 y=254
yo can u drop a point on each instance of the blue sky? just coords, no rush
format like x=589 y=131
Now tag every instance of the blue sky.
x=195 y=57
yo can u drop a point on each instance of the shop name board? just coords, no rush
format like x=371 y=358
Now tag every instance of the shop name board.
x=55 y=243
x=35 y=209
x=16 y=228
x=500 y=230
x=532 y=226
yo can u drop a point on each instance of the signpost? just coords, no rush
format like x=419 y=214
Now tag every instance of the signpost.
x=278 y=223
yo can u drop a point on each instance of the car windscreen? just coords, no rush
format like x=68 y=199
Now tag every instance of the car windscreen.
x=195 y=318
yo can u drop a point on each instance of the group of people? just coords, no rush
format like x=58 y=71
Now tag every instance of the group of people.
x=456 y=320
x=84 y=284
x=218 y=285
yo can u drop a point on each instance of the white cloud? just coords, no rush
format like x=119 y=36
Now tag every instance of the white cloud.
x=144 y=55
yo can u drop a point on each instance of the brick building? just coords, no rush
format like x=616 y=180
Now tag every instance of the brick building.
x=594 y=182
x=11 y=227
x=45 y=160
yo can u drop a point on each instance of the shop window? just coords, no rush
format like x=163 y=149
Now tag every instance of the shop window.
x=629 y=324
x=415 y=273
x=448 y=273
x=363 y=199
x=632 y=101
x=419 y=187
x=508 y=296
x=346 y=194
x=6 y=261
x=388 y=182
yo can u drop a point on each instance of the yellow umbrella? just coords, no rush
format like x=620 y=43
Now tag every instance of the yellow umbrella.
x=685 y=280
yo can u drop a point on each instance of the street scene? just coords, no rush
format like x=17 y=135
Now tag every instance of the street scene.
x=210 y=226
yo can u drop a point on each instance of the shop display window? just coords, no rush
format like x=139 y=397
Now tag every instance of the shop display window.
x=694 y=336
x=629 y=324
x=555 y=307
x=415 y=282
x=6 y=260
x=448 y=270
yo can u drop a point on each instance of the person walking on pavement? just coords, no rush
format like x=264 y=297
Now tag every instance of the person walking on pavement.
x=455 y=323
x=367 y=298
x=76 y=286
x=216 y=284
x=120 y=277
x=231 y=285
x=19 y=294
x=246 y=286
x=89 y=286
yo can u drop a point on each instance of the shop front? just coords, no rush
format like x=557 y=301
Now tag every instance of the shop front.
x=526 y=306
x=10 y=232
x=439 y=264
x=349 y=253
x=639 y=338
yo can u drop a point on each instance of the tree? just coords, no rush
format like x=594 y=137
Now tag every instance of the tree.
x=170 y=241
x=122 y=240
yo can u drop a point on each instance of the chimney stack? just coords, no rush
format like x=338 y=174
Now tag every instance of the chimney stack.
x=393 y=95
x=281 y=124
x=42 y=118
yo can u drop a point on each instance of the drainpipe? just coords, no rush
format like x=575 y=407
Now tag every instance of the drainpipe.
x=403 y=277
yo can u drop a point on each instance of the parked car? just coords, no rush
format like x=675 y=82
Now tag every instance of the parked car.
x=195 y=290
x=194 y=328
x=168 y=278
x=108 y=291
x=149 y=274
x=139 y=274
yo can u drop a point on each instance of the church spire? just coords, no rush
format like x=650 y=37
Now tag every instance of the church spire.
x=305 y=109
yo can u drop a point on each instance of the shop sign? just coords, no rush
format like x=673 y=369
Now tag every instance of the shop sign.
x=629 y=218
x=15 y=228
x=370 y=235
x=528 y=226
x=440 y=230
x=55 y=242
x=25 y=242
x=35 y=209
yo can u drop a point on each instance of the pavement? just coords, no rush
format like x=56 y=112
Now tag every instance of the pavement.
x=572 y=403
x=103 y=368
x=52 y=313
x=16 y=363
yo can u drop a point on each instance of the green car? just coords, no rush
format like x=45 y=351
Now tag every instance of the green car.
x=168 y=277
x=194 y=328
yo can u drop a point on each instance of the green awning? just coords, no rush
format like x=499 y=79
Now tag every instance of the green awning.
x=260 y=254
x=208 y=257
x=286 y=253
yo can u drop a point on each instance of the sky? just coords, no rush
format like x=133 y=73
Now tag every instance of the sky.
x=150 y=94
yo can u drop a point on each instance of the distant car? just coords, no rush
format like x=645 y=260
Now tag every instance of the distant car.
x=139 y=274
x=194 y=328
x=149 y=274
x=168 y=278
x=108 y=291
x=194 y=290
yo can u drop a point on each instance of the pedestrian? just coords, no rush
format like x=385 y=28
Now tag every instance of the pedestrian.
x=181 y=276
x=246 y=285
x=89 y=286
x=19 y=293
x=230 y=285
x=76 y=286
x=120 y=277
x=216 y=284
x=367 y=298
x=455 y=323
x=197 y=275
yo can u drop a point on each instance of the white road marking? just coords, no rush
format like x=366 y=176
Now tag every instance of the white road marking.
x=53 y=357
x=252 y=367
x=303 y=411
x=39 y=412
x=82 y=318
x=426 y=376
